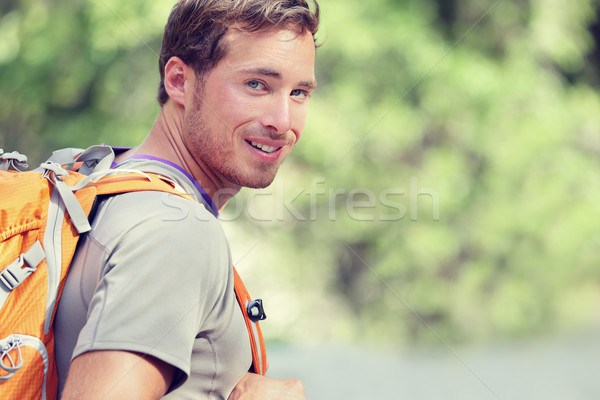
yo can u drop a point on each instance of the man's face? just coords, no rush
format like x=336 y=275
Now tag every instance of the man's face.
x=251 y=110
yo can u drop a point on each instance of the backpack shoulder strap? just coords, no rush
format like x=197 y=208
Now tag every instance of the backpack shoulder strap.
x=253 y=312
x=138 y=181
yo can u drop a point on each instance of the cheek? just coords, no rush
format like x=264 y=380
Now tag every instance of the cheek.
x=223 y=107
x=234 y=111
x=299 y=120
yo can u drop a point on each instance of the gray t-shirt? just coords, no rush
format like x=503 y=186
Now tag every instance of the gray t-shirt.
x=154 y=276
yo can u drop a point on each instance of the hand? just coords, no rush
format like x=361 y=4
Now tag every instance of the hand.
x=257 y=387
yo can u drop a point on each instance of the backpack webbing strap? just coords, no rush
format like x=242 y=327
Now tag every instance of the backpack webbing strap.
x=95 y=158
x=54 y=173
x=257 y=343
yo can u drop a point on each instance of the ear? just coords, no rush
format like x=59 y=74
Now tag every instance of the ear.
x=177 y=73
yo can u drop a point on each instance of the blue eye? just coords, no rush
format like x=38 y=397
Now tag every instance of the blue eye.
x=299 y=92
x=254 y=84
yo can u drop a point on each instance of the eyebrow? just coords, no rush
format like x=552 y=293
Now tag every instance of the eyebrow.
x=310 y=85
x=277 y=75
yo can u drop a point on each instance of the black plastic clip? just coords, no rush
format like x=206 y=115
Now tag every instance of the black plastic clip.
x=255 y=310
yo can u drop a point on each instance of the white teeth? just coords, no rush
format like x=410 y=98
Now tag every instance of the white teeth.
x=263 y=147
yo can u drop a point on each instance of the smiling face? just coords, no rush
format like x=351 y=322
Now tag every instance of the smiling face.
x=250 y=109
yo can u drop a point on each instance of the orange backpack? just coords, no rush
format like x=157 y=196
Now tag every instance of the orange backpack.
x=42 y=214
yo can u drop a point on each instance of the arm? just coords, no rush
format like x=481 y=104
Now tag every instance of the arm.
x=111 y=375
x=257 y=387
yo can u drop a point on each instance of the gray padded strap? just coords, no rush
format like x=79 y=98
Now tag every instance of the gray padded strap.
x=64 y=156
x=96 y=158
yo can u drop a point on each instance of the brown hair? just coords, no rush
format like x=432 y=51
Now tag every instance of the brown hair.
x=195 y=28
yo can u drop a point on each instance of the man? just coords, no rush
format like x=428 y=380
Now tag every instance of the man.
x=148 y=308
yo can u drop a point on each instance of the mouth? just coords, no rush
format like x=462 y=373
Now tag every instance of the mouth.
x=263 y=147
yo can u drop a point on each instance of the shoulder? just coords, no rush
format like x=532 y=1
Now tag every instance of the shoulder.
x=156 y=212
x=161 y=228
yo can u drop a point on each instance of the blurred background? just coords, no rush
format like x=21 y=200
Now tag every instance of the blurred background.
x=435 y=232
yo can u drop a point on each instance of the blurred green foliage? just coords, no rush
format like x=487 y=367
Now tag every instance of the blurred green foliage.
x=446 y=187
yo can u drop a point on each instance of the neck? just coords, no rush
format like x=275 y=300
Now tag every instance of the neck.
x=165 y=140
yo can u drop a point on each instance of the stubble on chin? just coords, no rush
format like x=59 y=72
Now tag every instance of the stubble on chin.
x=218 y=158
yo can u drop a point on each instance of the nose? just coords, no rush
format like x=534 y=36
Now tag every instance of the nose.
x=277 y=117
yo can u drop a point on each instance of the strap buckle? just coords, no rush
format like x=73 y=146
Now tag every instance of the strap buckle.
x=14 y=274
x=13 y=160
x=53 y=170
x=255 y=310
